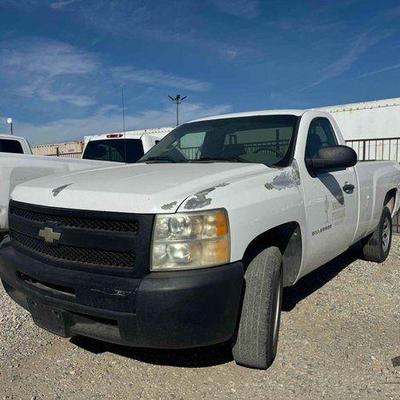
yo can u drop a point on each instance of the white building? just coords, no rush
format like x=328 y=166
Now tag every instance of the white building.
x=368 y=120
x=73 y=148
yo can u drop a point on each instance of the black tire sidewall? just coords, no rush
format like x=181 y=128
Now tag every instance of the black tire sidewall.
x=278 y=293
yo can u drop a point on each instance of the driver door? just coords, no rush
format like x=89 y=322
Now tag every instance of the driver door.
x=331 y=212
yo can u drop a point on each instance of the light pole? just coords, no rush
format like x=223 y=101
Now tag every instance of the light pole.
x=177 y=100
x=10 y=122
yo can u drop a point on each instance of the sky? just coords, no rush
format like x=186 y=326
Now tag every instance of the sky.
x=63 y=62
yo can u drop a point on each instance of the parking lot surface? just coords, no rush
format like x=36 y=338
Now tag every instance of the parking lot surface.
x=340 y=337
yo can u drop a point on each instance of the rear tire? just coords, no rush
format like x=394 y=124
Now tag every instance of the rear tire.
x=376 y=247
x=257 y=339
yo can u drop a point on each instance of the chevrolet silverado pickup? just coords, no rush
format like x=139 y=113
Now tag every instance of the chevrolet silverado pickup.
x=192 y=245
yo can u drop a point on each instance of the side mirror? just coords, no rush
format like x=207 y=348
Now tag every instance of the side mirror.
x=332 y=157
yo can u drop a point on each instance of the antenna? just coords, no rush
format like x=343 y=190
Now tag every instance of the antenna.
x=123 y=122
x=177 y=100
x=123 y=109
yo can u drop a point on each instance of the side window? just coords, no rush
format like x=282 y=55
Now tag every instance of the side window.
x=320 y=134
x=190 y=145
x=10 y=146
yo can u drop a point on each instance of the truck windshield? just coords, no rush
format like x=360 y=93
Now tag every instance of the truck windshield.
x=10 y=146
x=118 y=150
x=259 y=139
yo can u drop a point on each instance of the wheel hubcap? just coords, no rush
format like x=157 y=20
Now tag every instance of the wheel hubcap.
x=386 y=233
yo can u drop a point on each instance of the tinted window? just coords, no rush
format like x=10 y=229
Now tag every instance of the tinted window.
x=10 y=146
x=258 y=139
x=320 y=134
x=118 y=150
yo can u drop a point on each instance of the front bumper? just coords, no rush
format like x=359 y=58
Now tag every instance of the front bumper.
x=163 y=310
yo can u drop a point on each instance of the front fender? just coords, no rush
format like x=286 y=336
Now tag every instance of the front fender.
x=254 y=204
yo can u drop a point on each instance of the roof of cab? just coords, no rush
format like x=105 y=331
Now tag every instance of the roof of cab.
x=137 y=134
x=296 y=112
x=118 y=135
x=12 y=137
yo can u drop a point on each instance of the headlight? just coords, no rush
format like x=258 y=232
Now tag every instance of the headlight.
x=190 y=240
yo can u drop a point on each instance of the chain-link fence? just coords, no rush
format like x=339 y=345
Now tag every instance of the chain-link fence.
x=66 y=155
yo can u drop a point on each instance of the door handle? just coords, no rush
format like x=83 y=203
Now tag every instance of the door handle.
x=348 y=187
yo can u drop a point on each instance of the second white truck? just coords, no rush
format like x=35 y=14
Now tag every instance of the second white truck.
x=192 y=245
x=123 y=147
x=14 y=145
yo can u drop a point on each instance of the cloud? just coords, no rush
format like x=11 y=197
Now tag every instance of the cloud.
x=174 y=22
x=158 y=78
x=54 y=71
x=78 y=100
x=164 y=22
x=357 y=48
x=58 y=5
x=28 y=5
x=44 y=56
x=379 y=71
x=390 y=13
x=109 y=119
x=239 y=8
x=45 y=69
x=120 y=16
x=309 y=24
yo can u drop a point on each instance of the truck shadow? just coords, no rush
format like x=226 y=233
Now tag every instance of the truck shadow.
x=316 y=279
x=190 y=358
x=219 y=354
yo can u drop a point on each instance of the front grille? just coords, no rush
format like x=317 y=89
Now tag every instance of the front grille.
x=107 y=241
x=75 y=222
x=78 y=255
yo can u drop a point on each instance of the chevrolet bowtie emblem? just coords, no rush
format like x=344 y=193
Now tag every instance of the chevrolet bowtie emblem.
x=49 y=236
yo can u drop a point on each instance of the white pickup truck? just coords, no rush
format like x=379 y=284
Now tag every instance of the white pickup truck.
x=192 y=245
x=14 y=144
x=126 y=147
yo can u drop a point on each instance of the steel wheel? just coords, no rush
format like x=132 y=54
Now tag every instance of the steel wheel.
x=386 y=234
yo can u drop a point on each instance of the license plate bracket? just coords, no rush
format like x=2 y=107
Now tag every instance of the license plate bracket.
x=49 y=318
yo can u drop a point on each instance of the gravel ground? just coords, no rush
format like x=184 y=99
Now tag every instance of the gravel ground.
x=339 y=337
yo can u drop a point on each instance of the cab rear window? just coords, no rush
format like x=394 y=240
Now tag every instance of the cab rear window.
x=118 y=150
x=10 y=146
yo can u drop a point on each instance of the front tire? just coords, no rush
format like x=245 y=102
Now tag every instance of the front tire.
x=376 y=247
x=257 y=339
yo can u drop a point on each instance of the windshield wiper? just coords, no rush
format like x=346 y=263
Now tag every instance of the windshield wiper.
x=216 y=159
x=156 y=159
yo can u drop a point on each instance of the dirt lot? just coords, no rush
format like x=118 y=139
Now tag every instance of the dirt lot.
x=340 y=333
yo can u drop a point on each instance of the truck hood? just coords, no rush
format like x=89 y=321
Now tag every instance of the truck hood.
x=139 y=188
